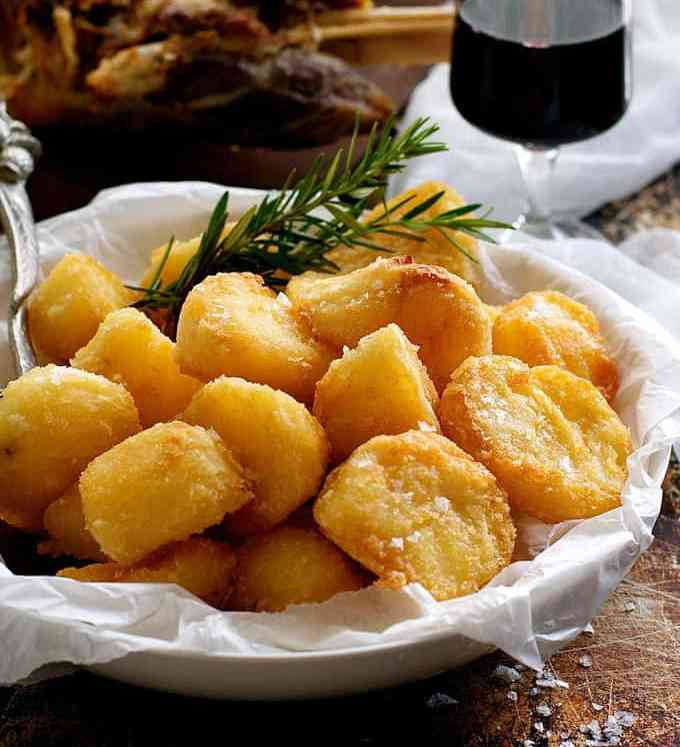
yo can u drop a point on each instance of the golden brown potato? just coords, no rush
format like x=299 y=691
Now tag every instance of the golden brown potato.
x=436 y=250
x=66 y=309
x=550 y=437
x=549 y=328
x=160 y=486
x=199 y=565
x=379 y=388
x=291 y=566
x=65 y=525
x=282 y=448
x=415 y=507
x=130 y=350
x=180 y=253
x=53 y=422
x=438 y=312
x=232 y=324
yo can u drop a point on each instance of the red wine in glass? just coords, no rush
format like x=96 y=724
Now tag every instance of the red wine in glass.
x=542 y=73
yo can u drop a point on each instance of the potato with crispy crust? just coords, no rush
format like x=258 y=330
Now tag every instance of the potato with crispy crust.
x=65 y=524
x=130 y=350
x=282 y=448
x=290 y=565
x=68 y=307
x=231 y=324
x=435 y=250
x=415 y=507
x=379 y=388
x=549 y=328
x=437 y=311
x=199 y=565
x=550 y=437
x=160 y=486
x=53 y=422
x=180 y=254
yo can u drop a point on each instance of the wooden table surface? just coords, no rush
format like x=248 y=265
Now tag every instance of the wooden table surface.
x=633 y=656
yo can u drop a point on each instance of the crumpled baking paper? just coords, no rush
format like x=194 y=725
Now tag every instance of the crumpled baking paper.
x=531 y=609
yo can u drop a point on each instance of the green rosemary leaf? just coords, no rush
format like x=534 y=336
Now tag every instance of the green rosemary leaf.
x=292 y=231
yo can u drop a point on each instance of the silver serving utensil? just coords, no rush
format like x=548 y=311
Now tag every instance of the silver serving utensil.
x=18 y=153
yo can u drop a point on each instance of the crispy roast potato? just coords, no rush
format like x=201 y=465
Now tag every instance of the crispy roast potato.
x=160 y=486
x=282 y=448
x=232 y=324
x=180 y=254
x=65 y=524
x=130 y=349
x=288 y=566
x=199 y=565
x=53 y=422
x=415 y=507
x=437 y=311
x=435 y=250
x=379 y=388
x=68 y=307
x=550 y=437
x=549 y=328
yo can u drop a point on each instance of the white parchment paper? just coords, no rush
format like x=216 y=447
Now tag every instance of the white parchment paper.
x=530 y=610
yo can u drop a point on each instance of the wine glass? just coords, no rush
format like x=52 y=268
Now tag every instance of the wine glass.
x=542 y=73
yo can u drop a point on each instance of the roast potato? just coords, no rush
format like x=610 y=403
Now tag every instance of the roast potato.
x=180 y=254
x=439 y=312
x=130 y=349
x=65 y=524
x=282 y=448
x=290 y=565
x=549 y=328
x=67 y=308
x=199 y=565
x=415 y=507
x=379 y=388
x=53 y=422
x=232 y=324
x=550 y=437
x=435 y=250
x=160 y=486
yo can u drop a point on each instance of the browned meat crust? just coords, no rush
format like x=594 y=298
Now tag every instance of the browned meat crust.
x=219 y=66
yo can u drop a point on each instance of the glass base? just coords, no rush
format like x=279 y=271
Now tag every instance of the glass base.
x=558 y=228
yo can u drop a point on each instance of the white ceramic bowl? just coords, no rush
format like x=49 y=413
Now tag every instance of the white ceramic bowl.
x=161 y=637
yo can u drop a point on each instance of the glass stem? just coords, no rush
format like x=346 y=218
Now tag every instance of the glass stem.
x=537 y=166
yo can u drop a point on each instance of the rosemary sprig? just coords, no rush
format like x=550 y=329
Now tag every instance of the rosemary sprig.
x=284 y=236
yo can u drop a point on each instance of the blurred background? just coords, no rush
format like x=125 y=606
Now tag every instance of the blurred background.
x=80 y=161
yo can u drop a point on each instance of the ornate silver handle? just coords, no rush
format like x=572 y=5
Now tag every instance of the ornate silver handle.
x=18 y=153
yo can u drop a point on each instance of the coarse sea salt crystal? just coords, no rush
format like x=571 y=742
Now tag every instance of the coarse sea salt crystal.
x=625 y=718
x=283 y=299
x=414 y=536
x=506 y=674
x=512 y=695
x=543 y=710
x=585 y=661
x=397 y=542
x=426 y=427
x=546 y=680
x=441 y=503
